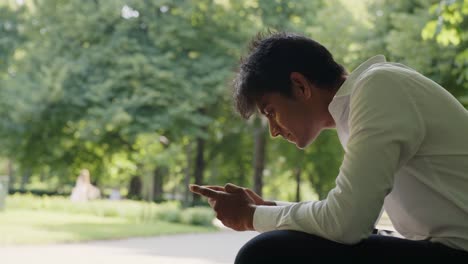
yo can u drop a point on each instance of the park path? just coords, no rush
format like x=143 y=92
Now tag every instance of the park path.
x=212 y=248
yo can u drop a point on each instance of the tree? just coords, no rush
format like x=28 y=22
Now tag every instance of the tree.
x=96 y=84
x=403 y=33
x=327 y=155
x=449 y=29
x=108 y=74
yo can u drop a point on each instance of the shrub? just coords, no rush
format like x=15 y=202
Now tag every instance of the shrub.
x=137 y=211
x=168 y=211
x=197 y=216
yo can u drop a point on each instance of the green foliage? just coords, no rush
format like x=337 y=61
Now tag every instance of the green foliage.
x=200 y=216
x=106 y=78
x=137 y=212
x=404 y=32
x=327 y=155
x=449 y=29
x=125 y=87
x=169 y=212
x=10 y=35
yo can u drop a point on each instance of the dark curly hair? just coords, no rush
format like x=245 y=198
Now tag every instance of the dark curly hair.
x=272 y=58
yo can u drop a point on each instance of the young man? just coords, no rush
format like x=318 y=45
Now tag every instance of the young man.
x=405 y=150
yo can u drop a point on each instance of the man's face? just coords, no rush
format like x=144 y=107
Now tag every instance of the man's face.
x=299 y=119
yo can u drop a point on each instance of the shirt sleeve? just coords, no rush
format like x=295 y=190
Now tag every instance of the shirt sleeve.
x=283 y=203
x=385 y=131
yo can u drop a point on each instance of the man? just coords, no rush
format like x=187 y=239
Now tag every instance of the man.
x=405 y=151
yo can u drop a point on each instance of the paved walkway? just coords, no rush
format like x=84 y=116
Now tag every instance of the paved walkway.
x=214 y=248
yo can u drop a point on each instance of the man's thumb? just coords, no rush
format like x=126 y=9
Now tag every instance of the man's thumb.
x=231 y=188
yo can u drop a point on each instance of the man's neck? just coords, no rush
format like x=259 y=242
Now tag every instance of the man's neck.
x=329 y=98
x=339 y=84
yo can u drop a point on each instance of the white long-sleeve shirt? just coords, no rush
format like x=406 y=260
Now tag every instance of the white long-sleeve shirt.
x=406 y=149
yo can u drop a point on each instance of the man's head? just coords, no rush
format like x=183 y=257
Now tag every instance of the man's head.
x=291 y=80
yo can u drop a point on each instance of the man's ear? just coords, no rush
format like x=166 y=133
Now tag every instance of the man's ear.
x=300 y=86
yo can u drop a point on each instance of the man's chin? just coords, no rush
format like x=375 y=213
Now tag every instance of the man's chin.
x=303 y=144
x=299 y=145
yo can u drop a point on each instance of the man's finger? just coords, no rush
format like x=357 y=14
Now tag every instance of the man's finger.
x=231 y=188
x=253 y=194
x=215 y=187
x=204 y=191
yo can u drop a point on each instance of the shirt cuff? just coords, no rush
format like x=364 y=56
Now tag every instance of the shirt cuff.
x=281 y=203
x=266 y=217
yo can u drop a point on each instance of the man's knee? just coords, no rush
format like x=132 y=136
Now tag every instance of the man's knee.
x=276 y=246
x=271 y=246
x=253 y=249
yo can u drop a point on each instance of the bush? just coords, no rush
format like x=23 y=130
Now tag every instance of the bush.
x=197 y=216
x=138 y=211
x=170 y=212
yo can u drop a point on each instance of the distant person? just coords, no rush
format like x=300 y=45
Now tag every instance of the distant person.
x=84 y=190
x=115 y=195
x=406 y=150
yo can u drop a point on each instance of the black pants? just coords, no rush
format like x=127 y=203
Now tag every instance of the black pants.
x=297 y=247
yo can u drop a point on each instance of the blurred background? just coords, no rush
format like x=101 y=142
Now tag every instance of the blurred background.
x=109 y=109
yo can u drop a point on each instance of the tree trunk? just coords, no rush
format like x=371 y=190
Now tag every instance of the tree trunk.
x=158 y=181
x=134 y=190
x=199 y=167
x=11 y=174
x=159 y=174
x=43 y=175
x=25 y=178
x=259 y=155
x=297 y=175
x=188 y=170
x=241 y=179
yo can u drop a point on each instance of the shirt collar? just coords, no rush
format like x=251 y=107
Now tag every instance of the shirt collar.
x=346 y=87
x=339 y=106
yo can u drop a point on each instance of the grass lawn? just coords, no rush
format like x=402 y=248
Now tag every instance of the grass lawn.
x=40 y=227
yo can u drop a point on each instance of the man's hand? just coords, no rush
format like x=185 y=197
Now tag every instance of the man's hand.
x=231 y=188
x=233 y=206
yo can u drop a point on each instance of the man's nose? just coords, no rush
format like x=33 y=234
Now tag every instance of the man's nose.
x=274 y=130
